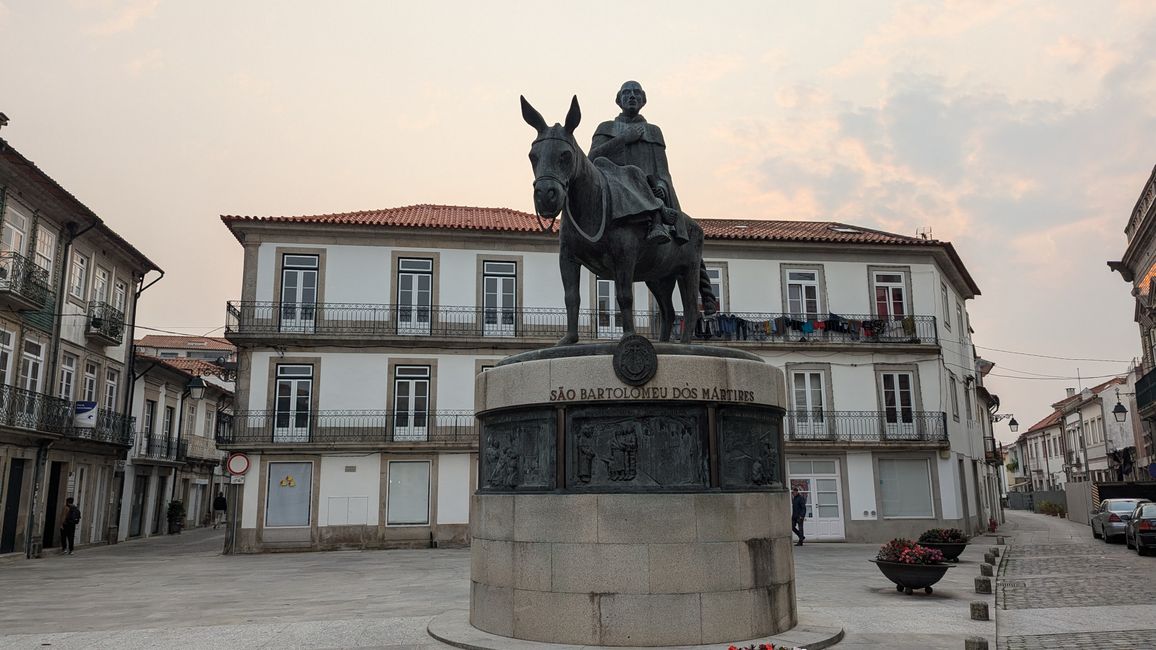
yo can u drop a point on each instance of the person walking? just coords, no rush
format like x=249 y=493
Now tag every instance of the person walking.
x=220 y=506
x=798 y=514
x=69 y=519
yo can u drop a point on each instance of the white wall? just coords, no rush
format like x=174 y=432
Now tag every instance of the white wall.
x=454 y=489
x=251 y=491
x=349 y=497
x=861 y=486
x=949 y=497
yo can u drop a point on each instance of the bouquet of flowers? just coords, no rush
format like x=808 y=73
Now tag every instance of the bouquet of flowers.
x=943 y=536
x=906 y=551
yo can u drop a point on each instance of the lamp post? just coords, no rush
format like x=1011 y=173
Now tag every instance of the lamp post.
x=1012 y=425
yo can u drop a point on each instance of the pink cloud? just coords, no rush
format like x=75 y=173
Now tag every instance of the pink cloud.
x=126 y=19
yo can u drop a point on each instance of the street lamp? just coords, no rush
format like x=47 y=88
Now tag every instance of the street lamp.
x=196 y=388
x=1012 y=424
x=1119 y=411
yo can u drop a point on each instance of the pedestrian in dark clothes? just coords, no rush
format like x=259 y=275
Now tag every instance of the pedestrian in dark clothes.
x=798 y=514
x=69 y=518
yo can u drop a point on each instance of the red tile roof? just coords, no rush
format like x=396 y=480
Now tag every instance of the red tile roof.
x=197 y=367
x=1050 y=421
x=185 y=342
x=453 y=217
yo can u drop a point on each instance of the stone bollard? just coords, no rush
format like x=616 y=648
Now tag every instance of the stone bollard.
x=1001 y=541
x=979 y=611
x=986 y=570
x=975 y=643
x=989 y=558
x=994 y=551
x=983 y=585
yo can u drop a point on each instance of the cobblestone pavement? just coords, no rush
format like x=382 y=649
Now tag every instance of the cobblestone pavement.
x=1060 y=588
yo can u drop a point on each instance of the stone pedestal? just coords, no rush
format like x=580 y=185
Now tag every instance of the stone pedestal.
x=619 y=515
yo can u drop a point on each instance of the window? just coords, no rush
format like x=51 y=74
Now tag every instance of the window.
x=890 y=294
x=414 y=295
x=13 y=234
x=946 y=306
x=802 y=293
x=30 y=362
x=119 y=293
x=5 y=355
x=609 y=321
x=288 y=494
x=809 y=406
x=88 y=390
x=167 y=422
x=67 y=375
x=967 y=403
x=898 y=393
x=411 y=402
x=959 y=319
x=78 y=280
x=111 y=377
x=298 y=292
x=953 y=388
x=45 y=250
x=210 y=417
x=100 y=285
x=905 y=485
x=715 y=275
x=408 y=501
x=293 y=402
x=190 y=418
x=150 y=414
x=499 y=297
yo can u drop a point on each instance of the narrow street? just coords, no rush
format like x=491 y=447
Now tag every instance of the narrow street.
x=1060 y=588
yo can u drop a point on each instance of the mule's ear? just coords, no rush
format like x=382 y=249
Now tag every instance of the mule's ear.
x=532 y=116
x=574 y=116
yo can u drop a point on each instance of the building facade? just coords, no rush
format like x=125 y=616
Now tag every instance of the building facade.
x=179 y=404
x=1137 y=267
x=68 y=289
x=359 y=336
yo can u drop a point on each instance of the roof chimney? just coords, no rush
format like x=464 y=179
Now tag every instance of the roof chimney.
x=1071 y=392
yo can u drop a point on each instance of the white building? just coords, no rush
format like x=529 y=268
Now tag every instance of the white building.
x=178 y=406
x=359 y=336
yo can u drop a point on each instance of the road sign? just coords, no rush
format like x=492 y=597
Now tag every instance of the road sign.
x=237 y=480
x=237 y=464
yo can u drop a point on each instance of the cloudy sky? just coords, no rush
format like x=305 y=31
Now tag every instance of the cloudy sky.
x=1020 y=131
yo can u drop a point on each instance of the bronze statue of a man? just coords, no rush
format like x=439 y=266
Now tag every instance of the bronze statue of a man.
x=630 y=140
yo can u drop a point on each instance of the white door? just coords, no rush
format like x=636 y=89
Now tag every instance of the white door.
x=294 y=399
x=499 y=298
x=414 y=296
x=818 y=481
x=299 y=293
x=411 y=403
x=809 y=418
x=899 y=405
x=608 y=320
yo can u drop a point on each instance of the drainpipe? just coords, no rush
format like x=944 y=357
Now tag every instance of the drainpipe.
x=71 y=234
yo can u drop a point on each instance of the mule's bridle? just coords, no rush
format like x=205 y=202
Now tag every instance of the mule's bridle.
x=565 y=183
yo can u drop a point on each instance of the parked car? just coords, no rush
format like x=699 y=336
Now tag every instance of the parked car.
x=1110 y=519
x=1140 y=533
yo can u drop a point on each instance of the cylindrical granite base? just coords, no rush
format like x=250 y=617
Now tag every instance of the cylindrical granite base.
x=632 y=569
x=644 y=514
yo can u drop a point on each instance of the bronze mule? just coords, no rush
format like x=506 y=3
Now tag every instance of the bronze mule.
x=612 y=246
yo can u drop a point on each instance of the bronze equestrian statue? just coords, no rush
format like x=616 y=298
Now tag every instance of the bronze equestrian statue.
x=608 y=215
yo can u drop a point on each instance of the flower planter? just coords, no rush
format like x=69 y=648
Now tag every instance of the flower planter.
x=951 y=550
x=909 y=577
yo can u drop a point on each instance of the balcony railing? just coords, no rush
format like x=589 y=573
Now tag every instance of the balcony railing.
x=156 y=447
x=991 y=451
x=245 y=319
x=895 y=427
x=202 y=448
x=450 y=428
x=105 y=323
x=25 y=409
x=23 y=280
x=112 y=427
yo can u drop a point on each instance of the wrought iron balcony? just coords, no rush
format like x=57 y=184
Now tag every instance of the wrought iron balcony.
x=202 y=448
x=105 y=323
x=156 y=447
x=25 y=409
x=843 y=428
x=112 y=427
x=22 y=282
x=991 y=451
x=246 y=320
x=433 y=428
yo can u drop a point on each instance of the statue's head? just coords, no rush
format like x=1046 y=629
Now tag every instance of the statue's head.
x=631 y=98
